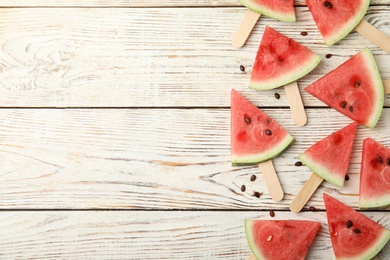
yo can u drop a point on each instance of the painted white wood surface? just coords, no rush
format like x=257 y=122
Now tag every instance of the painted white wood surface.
x=148 y=84
x=153 y=57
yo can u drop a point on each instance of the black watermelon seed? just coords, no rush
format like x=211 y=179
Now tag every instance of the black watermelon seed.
x=277 y=96
x=257 y=194
x=272 y=213
x=303 y=33
x=253 y=177
x=280 y=59
x=357 y=84
x=298 y=163
x=388 y=161
x=348 y=224
x=247 y=120
x=242 y=68
x=268 y=132
x=243 y=188
x=380 y=159
x=328 y=56
x=312 y=208
x=344 y=104
x=351 y=108
x=357 y=231
x=346 y=177
x=328 y=4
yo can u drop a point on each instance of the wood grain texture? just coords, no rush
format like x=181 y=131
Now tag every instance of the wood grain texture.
x=150 y=57
x=146 y=235
x=154 y=159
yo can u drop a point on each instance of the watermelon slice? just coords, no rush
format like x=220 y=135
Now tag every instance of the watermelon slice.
x=355 y=89
x=336 y=19
x=353 y=235
x=255 y=137
x=374 y=175
x=282 y=10
x=280 y=60
x=280 y=239
x=329 y=158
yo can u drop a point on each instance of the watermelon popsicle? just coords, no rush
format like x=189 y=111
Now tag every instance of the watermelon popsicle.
x=336 y=19
x=281 y=61
x=328 y=159
x=256 y=139
x=282 y=10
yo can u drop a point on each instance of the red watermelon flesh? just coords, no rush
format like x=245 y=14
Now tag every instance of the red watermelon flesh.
x=255 y=137
x=337 y=18
x=282 y=10
x=355 y=89
x=280 y=60
x=374 y=175
x=280 y=239
x=329 y=157
x=353 y=235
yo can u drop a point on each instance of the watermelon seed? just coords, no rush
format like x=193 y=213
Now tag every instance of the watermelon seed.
x=257 y=194
x=328 y=56
x=388 y=161
x=280 y=59
x=303 y=33
x=351 y=108
x=243 y=188
x=380 y=159
x=357 y=84
x=298 y=163
x=253 y=177
x=328 y=4
x=357 y=231
x=312 y=208
x=247 y=120
x=344 y=104
x=346 y=177
x=348 y=224
x=269 y=238
x=268 y=132
x=272 y=213
x=242 y=68
x=277 y=96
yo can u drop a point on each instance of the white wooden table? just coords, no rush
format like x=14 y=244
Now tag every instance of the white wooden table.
x=115 y=129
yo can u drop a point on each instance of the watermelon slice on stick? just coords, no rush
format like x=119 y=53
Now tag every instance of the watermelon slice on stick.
x=336 y=19
x=280 y=239
x=374 y=175
x=282 y=10
x=329 y=160
x=280 y=61
x=354 y=88
x=255 y=139
x=353 y=235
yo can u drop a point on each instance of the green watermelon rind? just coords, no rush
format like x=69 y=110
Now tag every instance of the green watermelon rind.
x=369 y=253
x=377 y=202
x=289 y=77
x=250 y=239
x=347 y=27
x=321 y=170
x=252 y=159
x=268 y=12
x=377 y=81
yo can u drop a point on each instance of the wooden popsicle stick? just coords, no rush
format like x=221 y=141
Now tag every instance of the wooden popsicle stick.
x=305 y=193
x=376 y=36
x=386 y=85
x=296 y=105
x=271 y=180
x=251 y=257
x=245 y=28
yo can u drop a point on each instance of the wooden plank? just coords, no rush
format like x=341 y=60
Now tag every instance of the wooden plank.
x=146 y=235
x=149 y=57
x=154 y=159
x=139 y=3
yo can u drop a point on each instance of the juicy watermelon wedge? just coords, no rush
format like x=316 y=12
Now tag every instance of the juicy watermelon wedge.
x=355 y=89
x=255 y=137
x=280 y=60
x=353 y=235
x=374 y=175
x=329 y=157
x=280 y=239
x=282 y=10
x=336 y=19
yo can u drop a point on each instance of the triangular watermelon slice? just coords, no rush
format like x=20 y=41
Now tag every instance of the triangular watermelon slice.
x=329 y=157
x=355 y=89
x=280 y=239
x=255 y=137
x=280 y=60
x=282 y=10
x=374 y=175
x=336 y=19
x=353 y=235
